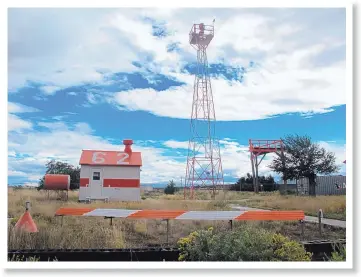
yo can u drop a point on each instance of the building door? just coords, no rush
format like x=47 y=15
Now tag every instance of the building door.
x=96 y=183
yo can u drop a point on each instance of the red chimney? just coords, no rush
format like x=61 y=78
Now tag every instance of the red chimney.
x=128 y=147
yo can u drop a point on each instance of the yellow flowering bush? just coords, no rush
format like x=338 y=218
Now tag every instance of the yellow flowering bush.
x=194 y=245
x=244 y=244
x=285 y=249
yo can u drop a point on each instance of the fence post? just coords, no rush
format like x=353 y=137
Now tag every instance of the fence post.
x=230 y=224
x=27 y=205
x=302 y=222
x=320 y=216
x=167 y=231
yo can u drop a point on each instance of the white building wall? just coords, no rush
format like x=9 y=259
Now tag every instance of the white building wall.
x=119 y=194
x=83 y=193
x=112 y=172
x=122 y=194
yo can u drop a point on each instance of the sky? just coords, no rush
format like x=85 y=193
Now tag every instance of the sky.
x=89 y=78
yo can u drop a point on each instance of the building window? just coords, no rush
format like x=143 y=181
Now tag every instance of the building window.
x=96 y=176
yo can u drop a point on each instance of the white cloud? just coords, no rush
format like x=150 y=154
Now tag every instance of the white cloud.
x=50 y=90
x=17 y=124
x=35 y=177
x=41 y=146
x=284 y=42
x=83 y=128
x=289 y=88
x=338 y=149
x=64 y=47
x=31 y=184
x=157 y=166
x=56 y=125
x=59 y=117
x=27 y=164
x=19 y=108
x=16 y=173
x=176 y=144
x=288 y=78
x=236 y=158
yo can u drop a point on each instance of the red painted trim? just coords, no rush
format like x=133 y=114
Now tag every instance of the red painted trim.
x=84 y=182
x=121 y=183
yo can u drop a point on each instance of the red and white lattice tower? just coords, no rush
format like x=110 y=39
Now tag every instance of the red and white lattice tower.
x=204 y=165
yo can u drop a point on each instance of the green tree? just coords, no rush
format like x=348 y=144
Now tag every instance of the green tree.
x=303 y=158
x=54 y=167
x=268 y=183
x=170 y=188
x=245 y=183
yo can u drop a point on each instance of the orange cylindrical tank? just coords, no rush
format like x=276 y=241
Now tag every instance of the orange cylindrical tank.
x=57 y=182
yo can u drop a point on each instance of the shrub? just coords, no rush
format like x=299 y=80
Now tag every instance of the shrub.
x=339 y=254
x=170 y=188
x=245 y=183
x=244 y=244
x=17 y=187
x=285 y=249
x=14 y=220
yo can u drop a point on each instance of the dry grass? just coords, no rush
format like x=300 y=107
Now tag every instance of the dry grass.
x=78 y=232
x=332 y=206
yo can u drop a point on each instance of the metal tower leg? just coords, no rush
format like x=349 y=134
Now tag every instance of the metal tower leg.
x=253 y=172
x=256 y=181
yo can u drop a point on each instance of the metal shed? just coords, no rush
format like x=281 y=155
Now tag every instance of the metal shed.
x=325 y=185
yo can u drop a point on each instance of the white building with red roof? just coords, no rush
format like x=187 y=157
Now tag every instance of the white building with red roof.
x=112 y=175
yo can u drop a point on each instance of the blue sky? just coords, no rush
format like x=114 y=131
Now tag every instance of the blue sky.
x=88 y=78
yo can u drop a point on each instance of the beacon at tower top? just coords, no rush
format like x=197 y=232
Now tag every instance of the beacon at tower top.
x=201 y=35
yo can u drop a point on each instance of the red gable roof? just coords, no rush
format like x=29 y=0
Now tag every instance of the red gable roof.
x=119 y=158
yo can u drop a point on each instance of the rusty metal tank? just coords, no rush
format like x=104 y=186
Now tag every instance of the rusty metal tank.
x=57 y=182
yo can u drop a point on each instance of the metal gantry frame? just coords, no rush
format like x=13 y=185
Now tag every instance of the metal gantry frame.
x=204 y=164
x=262 y=147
